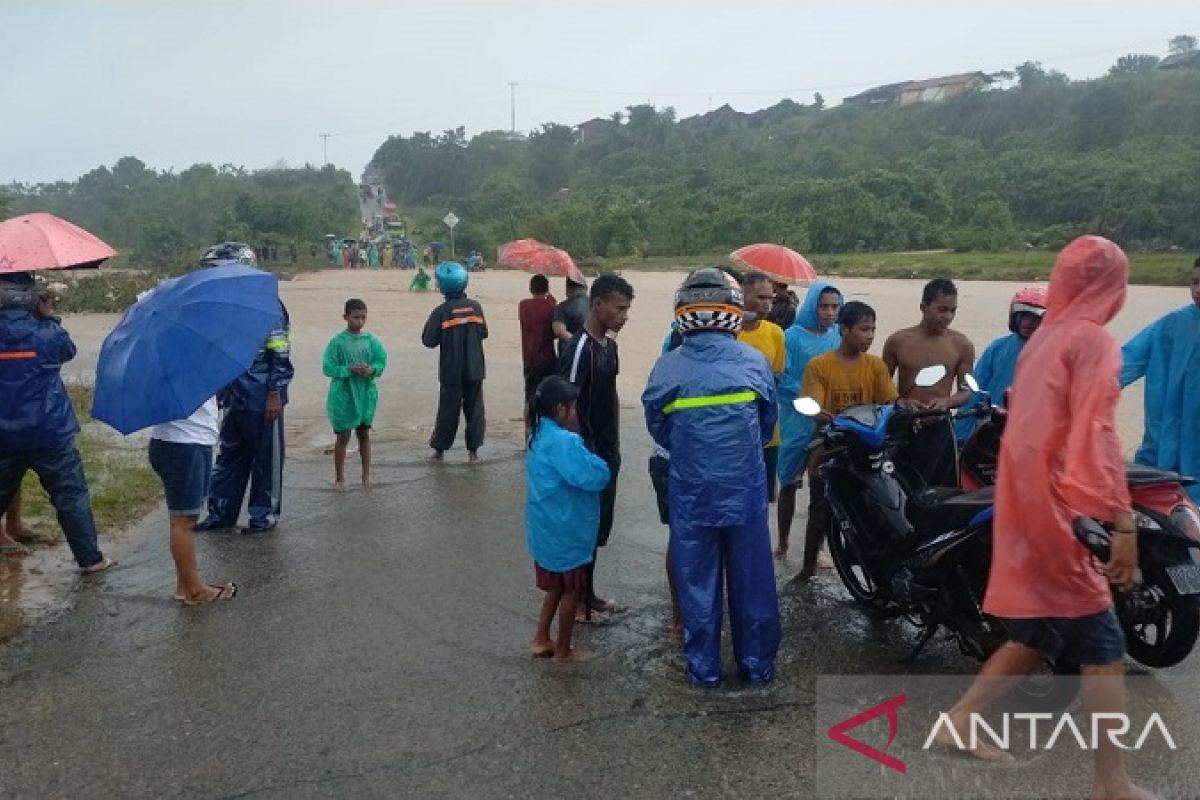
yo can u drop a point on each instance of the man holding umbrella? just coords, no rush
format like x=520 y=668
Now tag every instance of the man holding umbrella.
x=37 y=422
x=252 y=441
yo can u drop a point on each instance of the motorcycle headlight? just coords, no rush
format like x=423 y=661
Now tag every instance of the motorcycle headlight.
x=1187 y=519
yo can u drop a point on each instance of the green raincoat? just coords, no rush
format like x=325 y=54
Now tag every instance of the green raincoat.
x=352 y=398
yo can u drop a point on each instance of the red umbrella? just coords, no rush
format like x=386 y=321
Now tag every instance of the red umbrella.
x=44 y=241
x=530 y=255
x=776 y=261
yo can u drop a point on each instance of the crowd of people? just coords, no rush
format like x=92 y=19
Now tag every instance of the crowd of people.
x=719 y=406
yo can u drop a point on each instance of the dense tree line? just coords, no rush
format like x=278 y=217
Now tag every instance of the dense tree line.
x=167 y=219
x=1035 y=163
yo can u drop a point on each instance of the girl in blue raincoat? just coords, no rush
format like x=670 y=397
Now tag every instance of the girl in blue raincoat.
x=563 y=482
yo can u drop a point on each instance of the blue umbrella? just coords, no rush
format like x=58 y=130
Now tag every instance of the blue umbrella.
x=177 y=346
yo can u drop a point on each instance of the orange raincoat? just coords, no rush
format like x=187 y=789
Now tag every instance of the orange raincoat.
x=1061 y=457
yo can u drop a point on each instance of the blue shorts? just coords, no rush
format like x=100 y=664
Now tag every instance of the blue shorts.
x=1091 y=641
x=186 y=473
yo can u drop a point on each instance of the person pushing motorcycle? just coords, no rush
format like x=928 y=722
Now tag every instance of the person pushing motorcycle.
x=1061 y=460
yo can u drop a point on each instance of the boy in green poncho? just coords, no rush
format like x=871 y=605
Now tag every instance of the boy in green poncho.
x=353 y=361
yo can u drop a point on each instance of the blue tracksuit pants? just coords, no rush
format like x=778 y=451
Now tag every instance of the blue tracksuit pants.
x=251 y=449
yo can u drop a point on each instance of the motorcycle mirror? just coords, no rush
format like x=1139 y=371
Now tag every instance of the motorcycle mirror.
x=930 y=376
x=807 y=406
x=971 y=383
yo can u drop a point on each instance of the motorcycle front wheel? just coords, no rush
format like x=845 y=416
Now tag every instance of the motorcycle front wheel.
x=854 y=575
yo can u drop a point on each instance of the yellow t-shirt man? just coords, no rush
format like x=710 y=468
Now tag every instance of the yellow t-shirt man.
x=837 y=385
x=767 y=339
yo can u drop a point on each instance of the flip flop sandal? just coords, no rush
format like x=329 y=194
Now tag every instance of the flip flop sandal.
x=226 y=592
x=98 y=567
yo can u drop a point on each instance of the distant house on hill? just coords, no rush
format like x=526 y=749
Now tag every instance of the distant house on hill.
x=931 y=90
x=1189 y=60
x=720 y=119
x=595 y=130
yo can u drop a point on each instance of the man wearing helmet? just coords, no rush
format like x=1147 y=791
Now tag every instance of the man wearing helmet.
x=458 y=327
x=998 y=365
x=711 y=403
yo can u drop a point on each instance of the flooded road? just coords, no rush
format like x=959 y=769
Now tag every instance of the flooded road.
x=378 y=648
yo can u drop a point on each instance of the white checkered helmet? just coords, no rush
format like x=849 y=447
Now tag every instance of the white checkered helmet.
x=710 y=299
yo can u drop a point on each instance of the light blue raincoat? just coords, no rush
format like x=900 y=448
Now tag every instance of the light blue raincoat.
x=563 y=481
x=994 y=371
x=804 y=341
x=1167 y=355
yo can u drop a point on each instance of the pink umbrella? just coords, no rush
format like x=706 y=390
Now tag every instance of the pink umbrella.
x=530 y=255
x=44 y=241
x=778 y=262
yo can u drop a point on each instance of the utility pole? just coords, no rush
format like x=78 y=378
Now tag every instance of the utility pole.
x=512 y=96
x=325 y=146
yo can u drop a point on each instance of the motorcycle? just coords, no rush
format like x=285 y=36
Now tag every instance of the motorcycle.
x=899 y=546
x=1160 y=614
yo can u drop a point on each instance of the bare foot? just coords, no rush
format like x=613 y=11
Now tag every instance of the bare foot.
x=541 y=648
x=472 y=457
x=339 y=486
x=781 y=552
x=677 y=628
x=574 y=656
x=437 y=456
x=598 y=618
x=804 y=576
x=17 y=534
x=982 y=750
x=366 y=481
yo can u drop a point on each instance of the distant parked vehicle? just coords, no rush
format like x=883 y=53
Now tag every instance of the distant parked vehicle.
x=228 y=251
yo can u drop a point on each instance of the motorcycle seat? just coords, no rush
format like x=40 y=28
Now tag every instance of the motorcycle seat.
x=938 y=510
x=1141 y=475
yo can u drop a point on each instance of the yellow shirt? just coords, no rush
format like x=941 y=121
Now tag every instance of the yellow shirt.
x=837 y=385
x=767 y=339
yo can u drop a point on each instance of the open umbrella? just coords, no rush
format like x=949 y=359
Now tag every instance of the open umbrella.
x=43 y=241
x=530 y=255
x=776 y=261
x=175 y=347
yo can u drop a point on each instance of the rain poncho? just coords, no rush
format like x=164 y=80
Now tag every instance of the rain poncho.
x=35 y=411
x=373 y=256
x=711 y=403
x=271 y=371
x=352 y=398
x=1061 y=457
x=994 y=371
x=804 y=341
x=1167 y=355
x=563 y=481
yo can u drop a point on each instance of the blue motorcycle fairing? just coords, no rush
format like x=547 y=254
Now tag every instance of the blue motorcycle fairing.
x=869 y=422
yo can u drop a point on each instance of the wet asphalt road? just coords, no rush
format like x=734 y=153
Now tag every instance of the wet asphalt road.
x=378 y=648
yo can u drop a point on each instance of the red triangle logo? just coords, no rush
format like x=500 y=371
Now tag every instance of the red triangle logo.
x=838 y=732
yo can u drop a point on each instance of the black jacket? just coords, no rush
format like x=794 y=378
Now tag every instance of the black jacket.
x=459 y=328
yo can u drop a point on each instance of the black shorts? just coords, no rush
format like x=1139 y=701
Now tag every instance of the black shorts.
x=361 y=430
x=1091 y=641
x=659 y=477
x=934 y=449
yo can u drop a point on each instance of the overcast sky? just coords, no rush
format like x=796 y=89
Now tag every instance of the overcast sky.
x=251 y=82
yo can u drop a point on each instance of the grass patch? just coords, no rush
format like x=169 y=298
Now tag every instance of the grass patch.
x=1160 y=269
x=122 y=484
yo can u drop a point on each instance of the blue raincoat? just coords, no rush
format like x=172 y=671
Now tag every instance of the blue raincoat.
x=1167 y=355
x=563 y=482
x=804 y=340
x=994 y=371
x=35 y=411
x=712 y=404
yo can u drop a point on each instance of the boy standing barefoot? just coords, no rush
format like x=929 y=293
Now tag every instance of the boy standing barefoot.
x=353 y=361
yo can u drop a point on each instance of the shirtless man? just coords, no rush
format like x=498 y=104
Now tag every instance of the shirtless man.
x=927 y=344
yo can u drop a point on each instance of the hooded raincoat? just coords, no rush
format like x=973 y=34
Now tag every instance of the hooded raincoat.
x=1167 y=355
x=712 y=404
x=35 y=411
x=563 y=481
x=804 y=341
x=1061 y=457
x=994 y=371
x=352 y=398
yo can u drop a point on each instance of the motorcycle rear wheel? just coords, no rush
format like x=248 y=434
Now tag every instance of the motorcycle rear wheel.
x=1167 y=641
